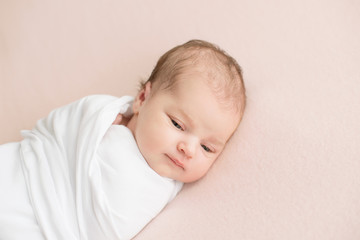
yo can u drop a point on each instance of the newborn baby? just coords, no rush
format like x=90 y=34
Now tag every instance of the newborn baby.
x=103 y=167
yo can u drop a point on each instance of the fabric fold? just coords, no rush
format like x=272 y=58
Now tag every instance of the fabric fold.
x=67 y=180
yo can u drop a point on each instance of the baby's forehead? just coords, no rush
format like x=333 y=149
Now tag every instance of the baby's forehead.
x=216 y=86
x=217 y=80
x=215 y=71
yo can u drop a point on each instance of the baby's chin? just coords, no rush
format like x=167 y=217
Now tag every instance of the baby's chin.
x=190 y=179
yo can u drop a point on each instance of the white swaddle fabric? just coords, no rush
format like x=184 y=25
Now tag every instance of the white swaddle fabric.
x=134 y=192
x=78 y=186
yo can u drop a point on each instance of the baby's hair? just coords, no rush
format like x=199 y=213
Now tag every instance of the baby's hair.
x=222 y=72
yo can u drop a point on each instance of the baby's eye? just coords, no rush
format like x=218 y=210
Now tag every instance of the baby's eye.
x=206 y=148
x=176 y=124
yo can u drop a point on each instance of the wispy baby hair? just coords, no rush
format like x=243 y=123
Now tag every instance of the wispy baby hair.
x=222 y=72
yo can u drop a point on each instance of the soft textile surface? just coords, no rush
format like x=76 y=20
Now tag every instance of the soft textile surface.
x=62 y=172
x=85 y=178
x=292 y=169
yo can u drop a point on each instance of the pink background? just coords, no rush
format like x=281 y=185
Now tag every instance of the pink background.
x=291 y=171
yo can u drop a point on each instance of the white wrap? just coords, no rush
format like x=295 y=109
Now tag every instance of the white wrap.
x=83 y=185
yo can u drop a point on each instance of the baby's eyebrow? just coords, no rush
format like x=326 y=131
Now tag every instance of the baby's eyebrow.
x=187 y=117
x=216 y=141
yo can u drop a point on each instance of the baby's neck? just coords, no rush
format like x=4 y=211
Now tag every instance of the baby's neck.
x=131 y=123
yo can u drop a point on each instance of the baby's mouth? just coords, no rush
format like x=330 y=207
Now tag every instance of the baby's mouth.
x=176 y=162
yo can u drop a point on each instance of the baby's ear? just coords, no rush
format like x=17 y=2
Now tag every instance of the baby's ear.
x=141 y=97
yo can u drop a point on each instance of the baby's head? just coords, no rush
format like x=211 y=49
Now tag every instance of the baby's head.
x=188 y=109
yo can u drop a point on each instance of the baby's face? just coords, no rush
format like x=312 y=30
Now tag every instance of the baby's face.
x=181 y=132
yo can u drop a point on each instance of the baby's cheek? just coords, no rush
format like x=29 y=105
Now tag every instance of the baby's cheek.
x=156 y=139
x=151 y=139
x=159 y=134
x=204 y=166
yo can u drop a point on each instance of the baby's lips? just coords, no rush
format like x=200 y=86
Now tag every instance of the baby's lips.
x=177 y=162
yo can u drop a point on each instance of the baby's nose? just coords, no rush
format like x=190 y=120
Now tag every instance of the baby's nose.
x=186 y=148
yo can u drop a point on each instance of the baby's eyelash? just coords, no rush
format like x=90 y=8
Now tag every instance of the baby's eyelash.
x=176 y=124
x=206 y=148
